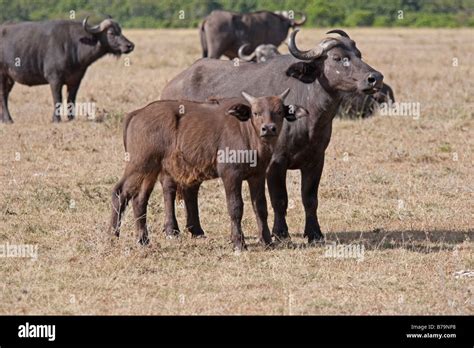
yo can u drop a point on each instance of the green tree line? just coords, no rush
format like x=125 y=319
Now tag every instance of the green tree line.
x=188 y=13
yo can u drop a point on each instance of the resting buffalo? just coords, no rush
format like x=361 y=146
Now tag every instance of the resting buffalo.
x=223 y=32
x=318 y=78
x=355 y=105
x=182 y=143
x=56 y=53
x=261 y=54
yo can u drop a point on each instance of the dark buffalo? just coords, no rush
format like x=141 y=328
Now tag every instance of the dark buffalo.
x=318 y=78
x=56 y=53
x=180 y=142
x=356 y=105
x=224 y=32
x=261 y=54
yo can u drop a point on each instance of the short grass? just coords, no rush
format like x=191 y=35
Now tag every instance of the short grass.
x=401 y=187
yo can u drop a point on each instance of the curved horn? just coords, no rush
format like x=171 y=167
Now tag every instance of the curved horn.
x=91 y=30
x=303 y=55
x=301 y=21
x=338 y=31
x=243 y=56
x=316 y=52
x=248 y=97
x=284 y=94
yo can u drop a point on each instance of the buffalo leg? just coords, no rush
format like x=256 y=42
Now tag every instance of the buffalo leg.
x=56 y=86
x=235 y=207
x=140 y=203
x=123 y=191
x=190 y=196
x=119 y=203
x=276 y=178
x=6 y=85
x=309 y=192
x=216 y=48
x=170 y=227
x=71 y=100
x=259 y=204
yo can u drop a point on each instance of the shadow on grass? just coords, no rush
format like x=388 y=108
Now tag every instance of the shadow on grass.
x=425 y=241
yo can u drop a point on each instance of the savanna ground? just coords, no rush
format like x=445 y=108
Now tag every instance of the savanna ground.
x=399 y=186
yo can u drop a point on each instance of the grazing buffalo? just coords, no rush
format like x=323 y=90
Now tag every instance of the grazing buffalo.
x=261 y=54
x=186 y=143
x=56 y=53
x=224 y=32
x=318 y=78
x=356 y=105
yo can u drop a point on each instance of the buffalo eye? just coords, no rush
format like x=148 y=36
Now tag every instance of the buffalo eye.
x=336 y=58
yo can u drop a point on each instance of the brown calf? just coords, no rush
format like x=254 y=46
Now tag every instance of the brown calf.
x=185 y=143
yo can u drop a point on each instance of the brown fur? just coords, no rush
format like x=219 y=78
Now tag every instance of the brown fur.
x=178 y=142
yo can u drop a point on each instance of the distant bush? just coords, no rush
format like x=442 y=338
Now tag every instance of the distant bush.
x=320 y=13
x=382 y=21
x=325 y=13
x=360 y=18
x=435 y=20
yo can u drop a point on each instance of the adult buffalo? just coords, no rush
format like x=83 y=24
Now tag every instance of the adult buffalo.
x=318 y=78
x=223 y=32
x=56 y=53
x=262 y=53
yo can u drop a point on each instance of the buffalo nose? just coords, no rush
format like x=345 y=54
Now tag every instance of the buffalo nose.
x=130 y=47
x=374 y=79
x=268 y=129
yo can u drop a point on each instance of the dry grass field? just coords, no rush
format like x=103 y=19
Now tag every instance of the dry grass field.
x=400 y=187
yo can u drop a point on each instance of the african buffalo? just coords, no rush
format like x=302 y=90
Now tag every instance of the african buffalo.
x=184 y=144
x=355 y=105
x=261 y=54
x=223 y=32
x=318 y=78
x=56 y=53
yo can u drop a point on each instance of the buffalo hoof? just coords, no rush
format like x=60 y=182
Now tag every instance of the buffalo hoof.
x=280 y=233
x=267 y=245
x=265 y=239
x=238 y=248
x=56 y=119
x=114 y=233
x=6 y=121
x=196 y=232
x=144 y=241
x=316 y=239
x=171 y=233
x=282 y=237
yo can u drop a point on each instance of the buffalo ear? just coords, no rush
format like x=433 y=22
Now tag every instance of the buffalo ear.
x=293 y=112
x=305 y=72
x=241 y=111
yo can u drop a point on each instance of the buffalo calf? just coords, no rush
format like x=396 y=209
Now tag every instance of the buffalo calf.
x=185 y=143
